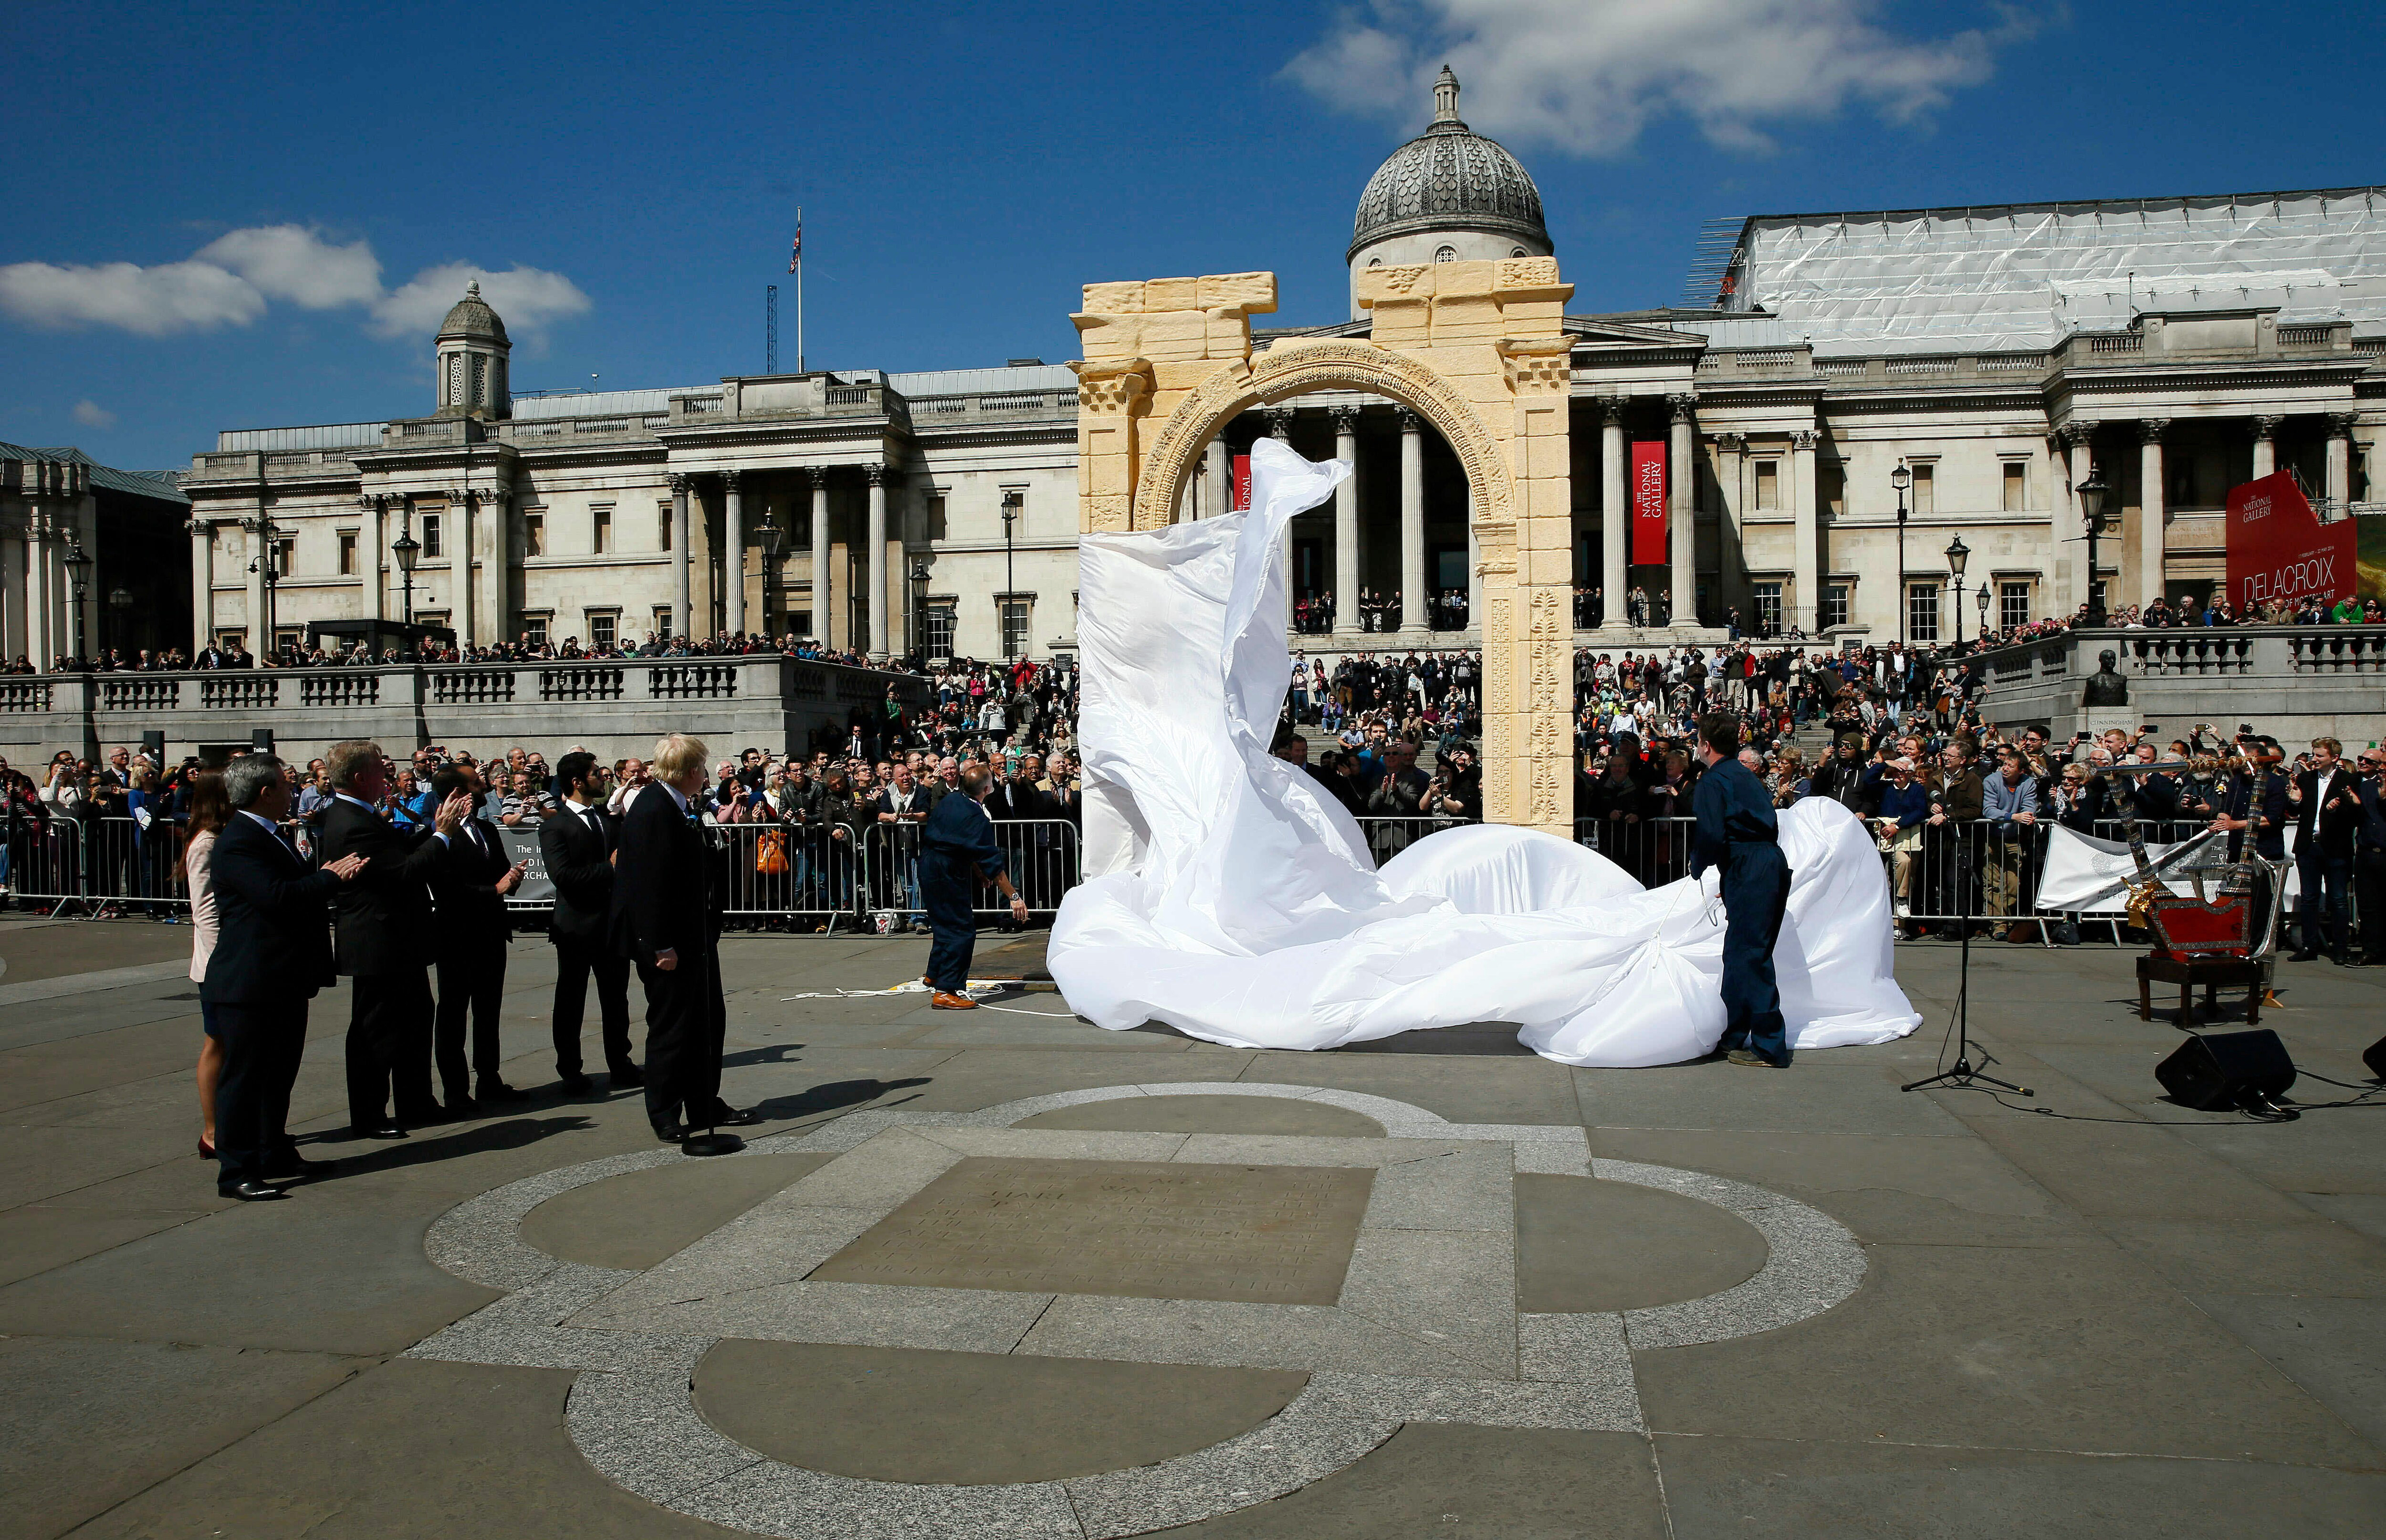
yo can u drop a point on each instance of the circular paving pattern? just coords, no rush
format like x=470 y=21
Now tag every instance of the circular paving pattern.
x=1026 y=1266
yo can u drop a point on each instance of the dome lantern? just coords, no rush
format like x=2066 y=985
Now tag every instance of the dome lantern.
x=472 y=350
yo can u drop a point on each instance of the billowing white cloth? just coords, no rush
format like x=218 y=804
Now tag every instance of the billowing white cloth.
x=1242 y=906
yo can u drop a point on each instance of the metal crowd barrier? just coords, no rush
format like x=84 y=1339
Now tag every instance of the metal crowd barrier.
x=1042 y=856
x=1654 y=850
x=94 y=865
x=812 y=875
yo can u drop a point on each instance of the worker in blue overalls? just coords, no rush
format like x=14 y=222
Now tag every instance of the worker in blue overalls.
x=958 y=851
x=1737 y=833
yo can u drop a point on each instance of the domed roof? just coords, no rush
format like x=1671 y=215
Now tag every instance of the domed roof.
x=1448 y=177
x=472 y=318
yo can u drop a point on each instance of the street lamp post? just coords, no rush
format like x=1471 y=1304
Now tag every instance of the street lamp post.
x=1901 y=478
x=774 y=540
x=1980 y=598
x=405 y=549
x=1957 y=554
x=1010 y=511
x=78 y=565
x=917 y=592
x=2091 y=494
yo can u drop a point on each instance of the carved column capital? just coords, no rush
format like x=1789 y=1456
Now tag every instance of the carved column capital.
x=1613 y=409
x=1732 y=444
x=2340 y=424
x=1279 y=421
x=1410 y=422
x=879 y=473
x=1805 y=439
x=678 y=479
x=1682 y=407
x=1346 y=419
x=2267 y=425
x=2150 y=429
x=2073 y=434
x=730 y=480
x=198 y=529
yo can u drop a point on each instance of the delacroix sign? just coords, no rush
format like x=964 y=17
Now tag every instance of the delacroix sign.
x=2280 y=552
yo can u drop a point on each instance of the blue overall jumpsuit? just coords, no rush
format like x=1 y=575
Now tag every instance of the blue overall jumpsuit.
x=957 y=852
x=1738 y=833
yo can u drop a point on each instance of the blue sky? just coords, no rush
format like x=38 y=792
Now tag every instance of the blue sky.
x=230 y=216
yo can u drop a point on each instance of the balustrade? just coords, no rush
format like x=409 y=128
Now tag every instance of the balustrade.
x=140 y=693
x=592 y=684
x=473 y=686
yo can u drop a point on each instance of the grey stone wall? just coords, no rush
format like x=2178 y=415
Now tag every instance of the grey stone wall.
x=2297 y=683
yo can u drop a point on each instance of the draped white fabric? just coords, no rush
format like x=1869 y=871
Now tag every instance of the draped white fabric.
x=1243 y=906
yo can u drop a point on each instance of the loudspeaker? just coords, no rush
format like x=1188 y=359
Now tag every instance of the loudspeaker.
x=153 y=743
x=260 y=740
x=2375 y=1057
x=2228 y=1070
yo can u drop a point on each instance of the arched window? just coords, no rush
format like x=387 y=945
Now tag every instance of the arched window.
x=1375 y=261
x=1518 y=252
x=1447 y=254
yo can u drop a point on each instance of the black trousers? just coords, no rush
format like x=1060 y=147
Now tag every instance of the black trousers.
x=944 y=893
x=1755 y=894
x=263 y=1043
x=472 y=979
x=574 y=960
x=686 y=1020
x=389 y=1047
x=2369 y=898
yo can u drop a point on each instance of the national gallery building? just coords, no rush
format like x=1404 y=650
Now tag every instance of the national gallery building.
x=2176 y=347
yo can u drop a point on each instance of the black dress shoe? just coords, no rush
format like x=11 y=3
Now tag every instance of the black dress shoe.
x=2303 y=957
x=625 y=1077
x=498 y=1090
x=669 y=1133
x=577 y=1084
x=378 y=1131
x=727 y=1116
x=250 y=1191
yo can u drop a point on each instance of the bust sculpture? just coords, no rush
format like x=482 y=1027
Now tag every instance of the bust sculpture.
x=2105 y=687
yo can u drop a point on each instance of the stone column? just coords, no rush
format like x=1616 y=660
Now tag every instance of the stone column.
x=2340 y=458
x=369 y=535
x=2071 y=539
x=1415 y=598
x=493 y=584
x=203 y=584
x=2265 y=449
x=39 y=588
x=2152 y=513
x=1806 y=554
x=1218 y=481
x=1345 y=524
x=877 y=597
x=818 y=477
x=1615 y=519
x=1731 y=574
x=682 y=587
x=1680 y=515
x=12 y=590
x=96 y=587
x=733 y=558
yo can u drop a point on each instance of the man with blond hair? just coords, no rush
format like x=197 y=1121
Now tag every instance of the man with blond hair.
x=666 y=919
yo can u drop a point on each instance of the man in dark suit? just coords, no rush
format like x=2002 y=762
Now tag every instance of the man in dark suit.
x=2370 y=858
x=271 y=955
x=469 y=932
x=2328 y=815
x=577 y=845
x=666 y=919
x=384 y=942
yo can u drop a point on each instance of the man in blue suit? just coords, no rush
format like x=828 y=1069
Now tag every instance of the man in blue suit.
x=1738 y=833
x=958 y=851
x=273 y=951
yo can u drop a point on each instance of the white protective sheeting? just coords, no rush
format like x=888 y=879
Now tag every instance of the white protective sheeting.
x=1230 y=897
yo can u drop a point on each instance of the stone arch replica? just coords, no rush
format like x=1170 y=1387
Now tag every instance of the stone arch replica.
x=1477 y=349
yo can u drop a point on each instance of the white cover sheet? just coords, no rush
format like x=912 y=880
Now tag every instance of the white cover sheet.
x=1233 y=899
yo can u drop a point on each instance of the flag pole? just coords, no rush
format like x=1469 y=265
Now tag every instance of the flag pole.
x=800 y=288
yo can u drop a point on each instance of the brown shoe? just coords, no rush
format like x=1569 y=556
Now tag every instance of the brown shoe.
x=929 y=981
x=947 y=1001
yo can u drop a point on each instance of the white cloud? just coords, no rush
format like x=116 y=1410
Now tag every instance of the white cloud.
x=233 y=278
x=1586 y=76
x=91 y=413
x=176 y=296
x=527 y=299
x=293 y=263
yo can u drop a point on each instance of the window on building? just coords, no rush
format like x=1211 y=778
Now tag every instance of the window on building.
x=433 y=546
x=1768 y=486
x=1767 y=597
x=662 y=525
x=1016 y=617
x=1922 y=610
x=935 y=516
x=601 y=627
x=663 y=621
x=600 y=536
x=1831 y=486
x=1447 y=254
x=1926 y=489
x=2017 y=487
x=435 y=619
x=534 y=534
x=286 y=554
x=286 y=637
x=230 y=639
x=1838 y=598
x=2013 y=604
x=535 y=630
x=347 y=552
x=1518 y=251
x=936 y=629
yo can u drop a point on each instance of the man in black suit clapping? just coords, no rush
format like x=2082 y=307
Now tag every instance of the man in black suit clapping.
x=577 y=845
x=666 y=920
x=384 y=942
x=271 y=955
x=470 y=932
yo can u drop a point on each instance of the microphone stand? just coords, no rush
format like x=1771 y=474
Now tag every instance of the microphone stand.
x=1963 y=1077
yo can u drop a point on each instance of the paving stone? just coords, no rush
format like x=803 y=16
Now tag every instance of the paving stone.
x=1589 y=1246
x=1229 y=1114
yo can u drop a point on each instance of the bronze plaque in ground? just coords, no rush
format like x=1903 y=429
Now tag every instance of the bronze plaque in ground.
x=1151 y=1229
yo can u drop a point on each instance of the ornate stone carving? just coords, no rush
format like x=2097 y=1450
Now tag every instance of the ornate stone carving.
x=678 y=483
x=1112 y=394
x=198 y=529
x=729 y=480
x=1291 y=369
x=879 y=474
x=1805 y=439
x=1682 y=407
x=1612 y=410
x=1732 y=444
x=2340 y=424
x=1345 y=419
x=2266 y=426
x=1279 y=421
x=1410 y=422
x=1543 y=366
x=2150 y=429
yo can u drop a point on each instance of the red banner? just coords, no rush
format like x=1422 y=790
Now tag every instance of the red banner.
x=2280 y=551
x=1649 y=504
x=1242 y=482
